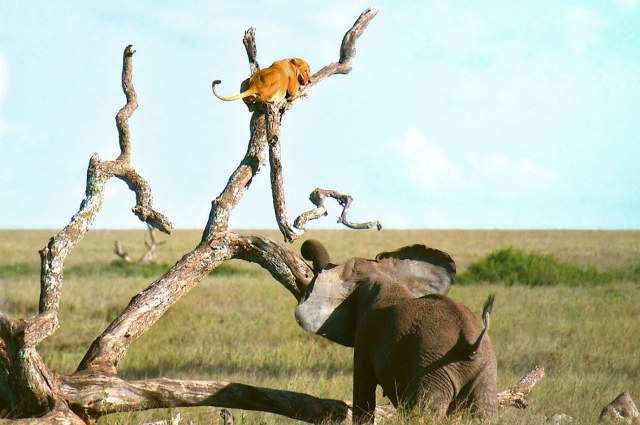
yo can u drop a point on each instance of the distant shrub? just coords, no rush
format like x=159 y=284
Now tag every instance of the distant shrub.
x=511 y=265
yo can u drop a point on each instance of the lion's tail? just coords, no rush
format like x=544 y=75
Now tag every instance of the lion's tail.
x=235 y=97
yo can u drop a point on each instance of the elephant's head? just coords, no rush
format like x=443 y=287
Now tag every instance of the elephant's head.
x=328 y=308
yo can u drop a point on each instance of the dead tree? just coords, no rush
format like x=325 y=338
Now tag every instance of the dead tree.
x=151 y=242
x=29 y=389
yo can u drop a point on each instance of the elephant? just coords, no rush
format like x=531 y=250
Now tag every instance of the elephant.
x=423 y=348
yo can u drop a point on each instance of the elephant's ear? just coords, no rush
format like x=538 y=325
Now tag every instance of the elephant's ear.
x=327 y=308
x=422 y=269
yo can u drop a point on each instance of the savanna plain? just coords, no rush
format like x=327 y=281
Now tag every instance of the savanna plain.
x=568 y=301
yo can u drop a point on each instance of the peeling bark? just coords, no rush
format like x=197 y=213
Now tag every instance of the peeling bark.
x=102 y=394
x=516 y=395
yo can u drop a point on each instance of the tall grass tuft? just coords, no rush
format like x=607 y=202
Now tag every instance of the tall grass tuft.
x=515 y=266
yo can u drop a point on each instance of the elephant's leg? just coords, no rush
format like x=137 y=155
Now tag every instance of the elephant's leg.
x=435 y=393
x=484 y=401
x=478 y=396
x=436 y=402
x=364 y=388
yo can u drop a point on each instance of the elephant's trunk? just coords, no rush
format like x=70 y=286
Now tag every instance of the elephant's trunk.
x=313 y=250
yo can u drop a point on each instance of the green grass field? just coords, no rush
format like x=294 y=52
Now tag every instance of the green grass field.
x=238 y=324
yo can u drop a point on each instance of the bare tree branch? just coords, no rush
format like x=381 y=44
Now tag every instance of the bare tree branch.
x=318 y=196
x=122 y=118
x=249 y=41
x=515 y=396
x=32 y=389
x=124 y=256
x=274 y=117
x=148 y=306
x=36 y=386
x=285 y=266
x=151 y=242
x=121 y=168
x=98 y=395
x=347 y=51
x=248 y=168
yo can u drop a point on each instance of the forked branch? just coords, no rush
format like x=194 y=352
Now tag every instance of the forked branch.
x=30 y=385
x=151 y=242
x=218 y=244
x=274 y=117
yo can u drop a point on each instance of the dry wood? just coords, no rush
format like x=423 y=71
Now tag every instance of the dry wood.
x=318 y=196
x=515 y=396
x=124 y=256
x=27 y=385
x=274 y=117
x=151 y=242
x=101 y=394
x=29 y=388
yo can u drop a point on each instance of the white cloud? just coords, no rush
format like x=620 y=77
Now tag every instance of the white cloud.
x=425 y=162
x=511 y=177
x=428 y=166
x=627 y=4
x=583 y=28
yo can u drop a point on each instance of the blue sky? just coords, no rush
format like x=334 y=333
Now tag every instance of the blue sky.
x=466 y=114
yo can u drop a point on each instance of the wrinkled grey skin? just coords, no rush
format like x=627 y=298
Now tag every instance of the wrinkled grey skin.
x=419 y=348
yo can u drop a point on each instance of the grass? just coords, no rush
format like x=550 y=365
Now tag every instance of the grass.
x=241 y=328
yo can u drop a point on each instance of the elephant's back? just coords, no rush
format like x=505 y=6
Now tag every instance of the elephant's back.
x=444 y=314
x=435 y=326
